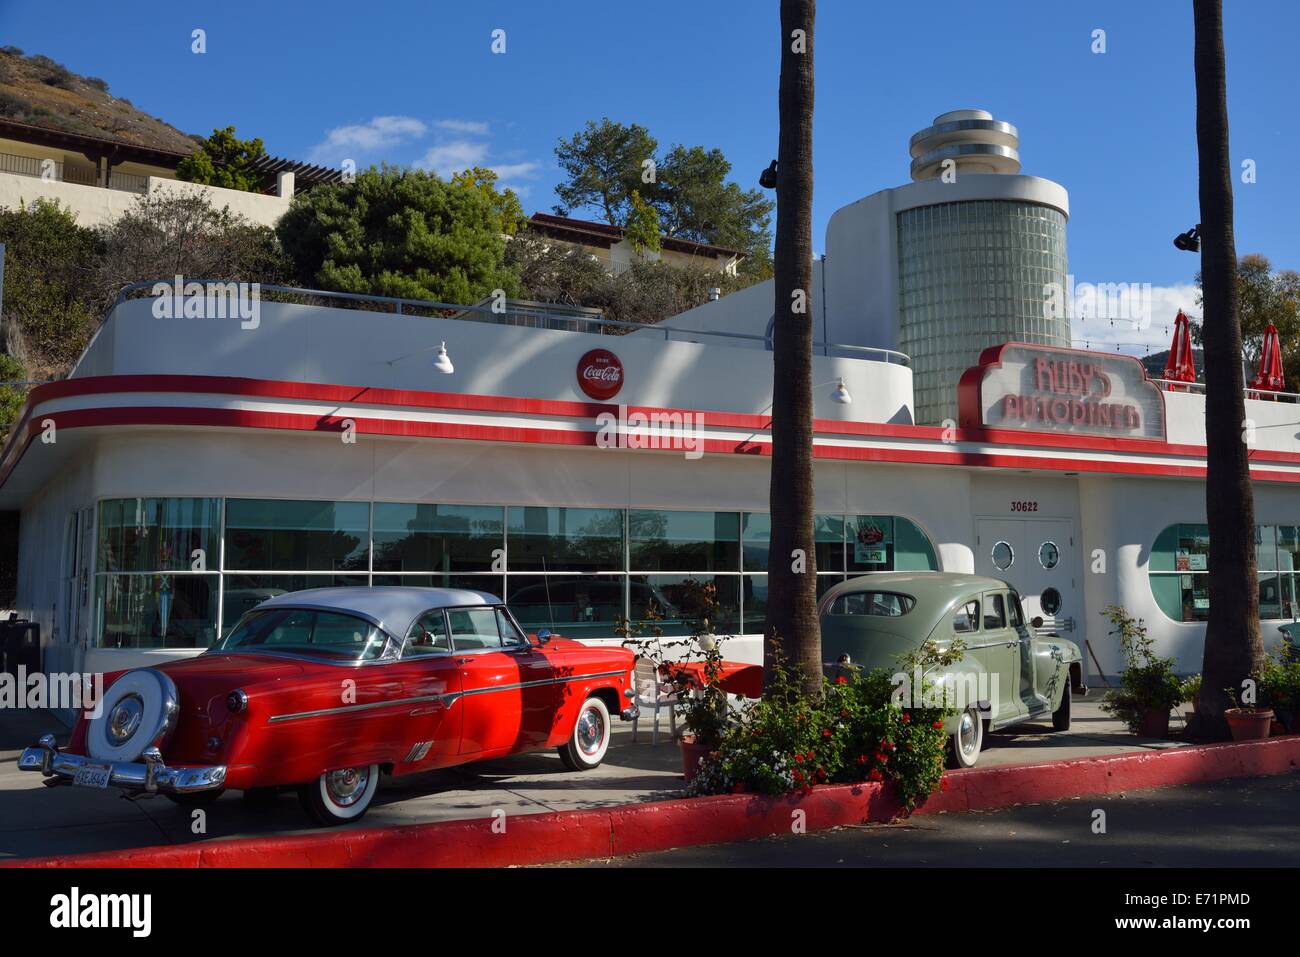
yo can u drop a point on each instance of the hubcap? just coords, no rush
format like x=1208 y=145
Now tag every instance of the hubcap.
x=347 y=785
x=966 y=733
x=125 y=718
x=591 y=731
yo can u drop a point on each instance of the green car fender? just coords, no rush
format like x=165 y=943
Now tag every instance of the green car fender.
x=1057 y=667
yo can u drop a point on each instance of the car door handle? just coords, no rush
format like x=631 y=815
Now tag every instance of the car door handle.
x=463 y=661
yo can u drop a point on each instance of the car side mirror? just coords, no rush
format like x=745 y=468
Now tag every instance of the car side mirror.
x=543 y=636
x=1036 y=621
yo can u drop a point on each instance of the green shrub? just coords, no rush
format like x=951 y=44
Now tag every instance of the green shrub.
x=1148 y=682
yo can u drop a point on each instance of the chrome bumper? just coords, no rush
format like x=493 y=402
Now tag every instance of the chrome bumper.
x=149 y=776
x=630 y=713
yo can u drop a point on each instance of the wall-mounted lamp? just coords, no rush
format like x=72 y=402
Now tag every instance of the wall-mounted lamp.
x=1190 y=241
x=441 y=362
x=767 y=178
x=841 y=393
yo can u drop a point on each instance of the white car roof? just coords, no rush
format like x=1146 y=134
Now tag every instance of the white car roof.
x=391 y=607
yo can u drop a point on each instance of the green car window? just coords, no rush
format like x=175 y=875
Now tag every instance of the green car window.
x=967 y=619
x=881 y=604
x=995 y=613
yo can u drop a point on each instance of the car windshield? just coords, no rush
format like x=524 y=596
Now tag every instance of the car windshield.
x=324 y=634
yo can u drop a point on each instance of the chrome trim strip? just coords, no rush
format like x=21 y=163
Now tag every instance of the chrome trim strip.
x=450 y=698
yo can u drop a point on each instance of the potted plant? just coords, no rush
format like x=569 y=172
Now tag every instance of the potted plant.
x=701 y=702
x=1192 y=693
x=1249 y=722
x=1148 y=686
x=1280 y=683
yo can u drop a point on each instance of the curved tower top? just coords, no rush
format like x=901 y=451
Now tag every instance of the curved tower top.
x=972 y=139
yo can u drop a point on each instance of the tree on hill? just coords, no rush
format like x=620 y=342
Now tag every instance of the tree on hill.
x=605 y=165
x=49 y=303
x=1265 y=296
x=404 y=233
x=223 y=159
x=505 y=202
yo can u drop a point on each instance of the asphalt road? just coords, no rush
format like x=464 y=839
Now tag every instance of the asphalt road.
x=1246 y=822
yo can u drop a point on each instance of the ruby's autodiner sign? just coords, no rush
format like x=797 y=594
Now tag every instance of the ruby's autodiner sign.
x=1044 y=389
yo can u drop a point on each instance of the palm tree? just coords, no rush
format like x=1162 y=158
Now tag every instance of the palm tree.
x=1233 y=647
x=792 y=565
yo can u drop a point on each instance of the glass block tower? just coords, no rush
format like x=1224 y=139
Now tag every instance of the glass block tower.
x=961 y=258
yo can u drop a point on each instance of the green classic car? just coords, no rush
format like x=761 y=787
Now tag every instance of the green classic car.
x=1007 y=675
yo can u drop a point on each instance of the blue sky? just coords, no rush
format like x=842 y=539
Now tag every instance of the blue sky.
x=416 y=83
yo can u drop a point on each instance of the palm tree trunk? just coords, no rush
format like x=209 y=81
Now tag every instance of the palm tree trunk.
x=1233 y=647
x=792 y=564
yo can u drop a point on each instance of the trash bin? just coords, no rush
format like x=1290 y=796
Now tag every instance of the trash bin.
x=22 y=643
x=9 y=638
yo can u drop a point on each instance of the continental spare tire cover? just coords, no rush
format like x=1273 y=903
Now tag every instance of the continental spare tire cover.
x=139 y=711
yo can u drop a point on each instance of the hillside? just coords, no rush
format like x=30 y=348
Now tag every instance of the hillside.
x=39 y=91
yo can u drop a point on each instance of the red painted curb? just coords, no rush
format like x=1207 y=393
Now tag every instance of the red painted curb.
x=633 y=828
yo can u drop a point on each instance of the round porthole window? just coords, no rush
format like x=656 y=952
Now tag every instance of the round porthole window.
x=1003 y=556
x=1048 y=554
x=1050 y=600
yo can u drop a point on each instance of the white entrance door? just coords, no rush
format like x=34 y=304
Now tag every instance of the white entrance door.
x=78 y=554
x=1037 y=556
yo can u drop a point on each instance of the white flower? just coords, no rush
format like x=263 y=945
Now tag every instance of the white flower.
x=708 y=643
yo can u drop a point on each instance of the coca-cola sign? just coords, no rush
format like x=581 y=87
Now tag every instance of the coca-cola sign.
x=600 y=374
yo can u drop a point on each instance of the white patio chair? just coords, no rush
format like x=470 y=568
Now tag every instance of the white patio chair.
x=650 y=694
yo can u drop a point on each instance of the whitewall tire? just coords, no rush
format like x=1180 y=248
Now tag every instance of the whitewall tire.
x=589 y=739
x=340 y=796
x=967 y=741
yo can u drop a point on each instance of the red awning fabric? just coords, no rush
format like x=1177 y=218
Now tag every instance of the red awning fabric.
x=1179 y=367
x=1270 y=377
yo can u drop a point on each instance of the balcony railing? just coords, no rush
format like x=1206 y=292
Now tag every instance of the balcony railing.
x=1171 y=385
x=535 y=314
x=52 y=170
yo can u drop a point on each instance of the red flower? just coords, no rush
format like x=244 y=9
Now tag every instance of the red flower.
x=798 y=759
x=876 y=775
x=811 y=756
x=841 y=680
x=862 y=759
x=798 y=775
x=821 y=774
x=907 y=718
x=937 y=725
x=826 y=732
x=882 y=757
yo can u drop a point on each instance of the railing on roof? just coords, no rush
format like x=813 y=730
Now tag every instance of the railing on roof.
x=554 y=316
x=1173 y=385
x=58 y=172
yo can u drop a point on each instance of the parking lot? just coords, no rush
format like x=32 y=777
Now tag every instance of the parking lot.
x=35 y=820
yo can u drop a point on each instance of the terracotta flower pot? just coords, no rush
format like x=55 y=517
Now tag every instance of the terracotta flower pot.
x=1247 y=725
x=1154 y=723
x=692 y=753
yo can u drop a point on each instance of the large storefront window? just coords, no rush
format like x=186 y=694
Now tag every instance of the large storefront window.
x=683 y=541
x=436 y=538
x=564 y=539
x=171 y=574
x=273 y=535
x=1180 y=565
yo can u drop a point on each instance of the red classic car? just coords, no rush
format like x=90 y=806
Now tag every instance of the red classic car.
x=324 y=689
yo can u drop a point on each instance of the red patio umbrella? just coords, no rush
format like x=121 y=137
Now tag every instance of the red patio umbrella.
x=1270 y=378
x=1179 y=367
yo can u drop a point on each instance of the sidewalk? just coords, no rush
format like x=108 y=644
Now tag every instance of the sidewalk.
x=35 y=820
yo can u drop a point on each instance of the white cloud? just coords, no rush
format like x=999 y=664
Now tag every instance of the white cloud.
x=362 y=139
x=470 y=127
x=453 y=156
x=1137 y=323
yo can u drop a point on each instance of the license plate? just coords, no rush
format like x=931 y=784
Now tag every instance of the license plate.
x=91 y=776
